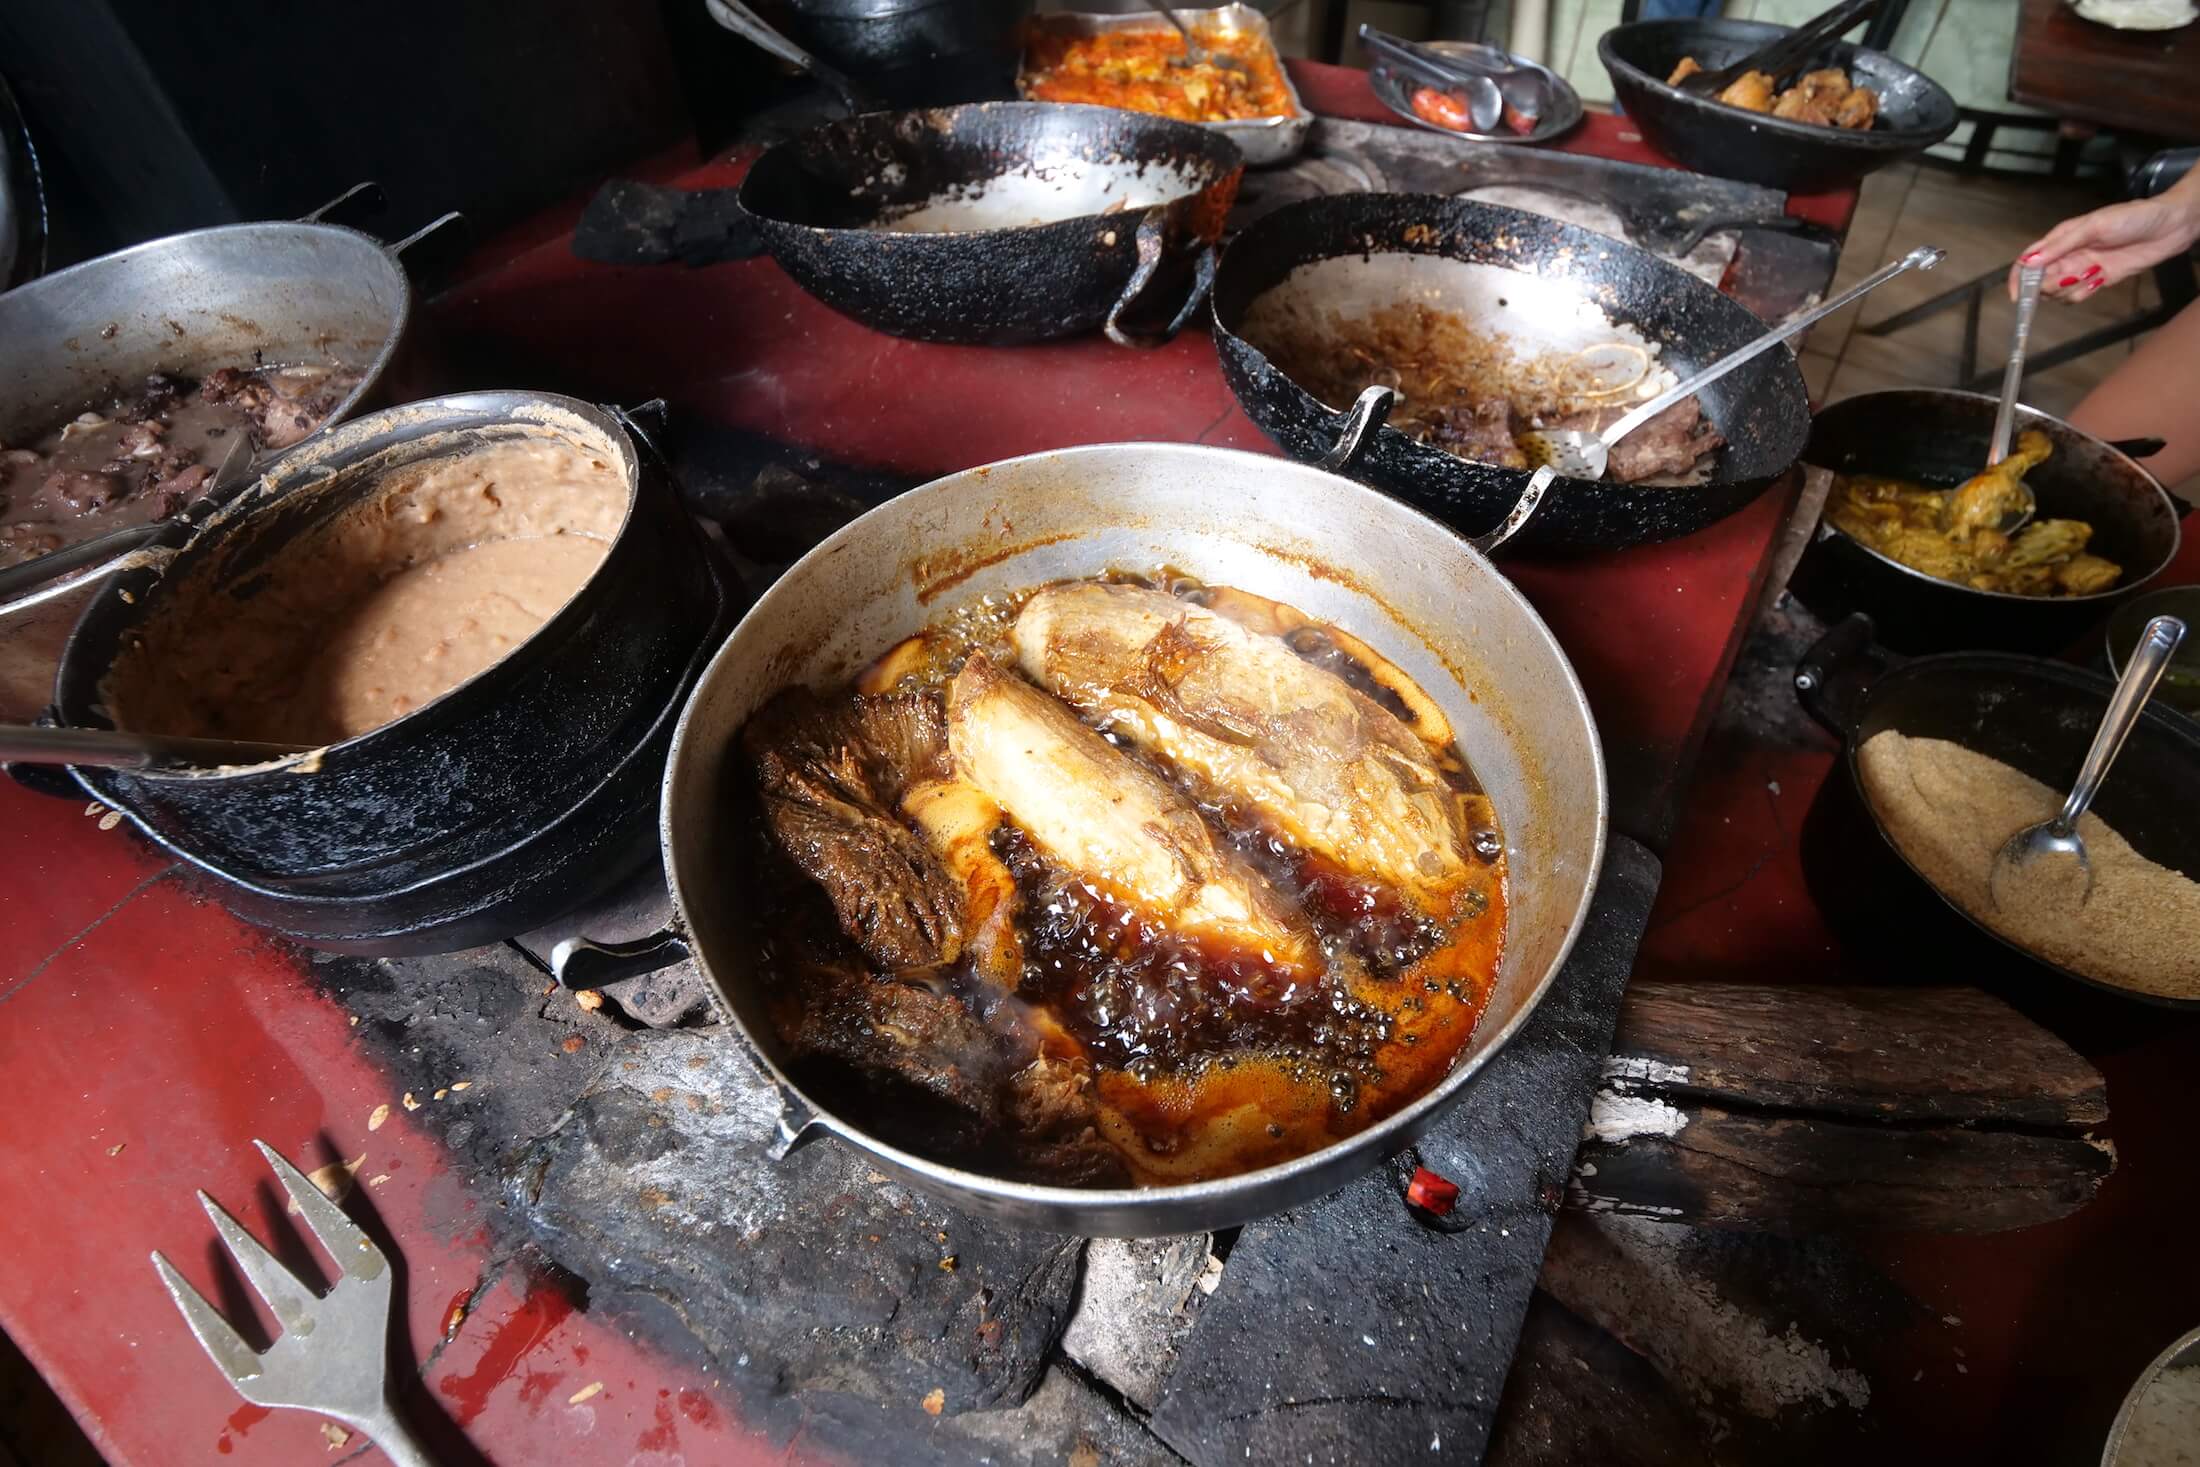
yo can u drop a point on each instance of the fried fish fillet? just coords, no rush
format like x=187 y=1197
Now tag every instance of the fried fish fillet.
x=1253 y=723
x=1118 y=826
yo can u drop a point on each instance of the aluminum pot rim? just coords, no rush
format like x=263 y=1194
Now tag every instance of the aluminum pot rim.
x=400 y=317
x=304 y=468
x=1217 y=1193
x=1215 y=151
x=2025 y=415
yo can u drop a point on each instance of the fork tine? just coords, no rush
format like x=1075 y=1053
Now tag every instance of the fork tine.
x=285 y=1295
x=228 y=1349
x=354 y=1252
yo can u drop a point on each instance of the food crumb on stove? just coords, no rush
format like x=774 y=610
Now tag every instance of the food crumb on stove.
x=586 y=1392
x=874 y=1178
x=588 y=998
x=380 y=1114
x=110 y=820
x=947 y=1264
x=378 y=1179
x=1211 y=1276
x=116 y=1149
x=333 y=1180
x=453 y=1320
x=572 y=1044
x=443 y=1092
x=94 y=808
x=355 y=1021
x=936 y=1402
x=336 y=1435
x=661 y=1094
x=462 y=1084
x=408 y=1102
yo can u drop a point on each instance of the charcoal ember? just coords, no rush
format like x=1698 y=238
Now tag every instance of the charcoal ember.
x=820 y=1272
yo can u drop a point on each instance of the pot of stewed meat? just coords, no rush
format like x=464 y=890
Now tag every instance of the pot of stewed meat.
x=126 y=382
x=1131 y=839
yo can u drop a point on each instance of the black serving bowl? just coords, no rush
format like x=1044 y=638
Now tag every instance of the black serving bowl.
x=1939 y=436
x=521 y=792
x=2035 y=715
x=1915 y=111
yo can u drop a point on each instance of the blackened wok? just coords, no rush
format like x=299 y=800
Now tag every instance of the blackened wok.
x=1134 y=204
x=1915 y=111
x=1939 y=436
x=1420 y=596
x=1514 y=272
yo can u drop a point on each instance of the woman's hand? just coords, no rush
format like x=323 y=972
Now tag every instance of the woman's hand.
x=2092 y=250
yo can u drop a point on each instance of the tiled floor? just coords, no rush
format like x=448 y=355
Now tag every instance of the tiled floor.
x=1982 y=223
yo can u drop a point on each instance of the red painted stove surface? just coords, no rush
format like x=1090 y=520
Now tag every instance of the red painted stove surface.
x=147 y=1036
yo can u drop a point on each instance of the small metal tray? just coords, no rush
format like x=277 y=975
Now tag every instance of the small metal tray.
x=1262 y=140
x=1395 y=89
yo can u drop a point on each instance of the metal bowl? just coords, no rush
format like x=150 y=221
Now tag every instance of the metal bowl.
x=2183 y=1354
x=1352 y=556
x=1915 y=111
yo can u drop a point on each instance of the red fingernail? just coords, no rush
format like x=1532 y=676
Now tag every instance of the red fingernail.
x=2070 y=280
x=2028 y=259
x=2094 y=271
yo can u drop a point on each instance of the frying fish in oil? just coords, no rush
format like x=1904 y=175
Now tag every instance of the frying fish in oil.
x=1950 y=534
x=1105 y=882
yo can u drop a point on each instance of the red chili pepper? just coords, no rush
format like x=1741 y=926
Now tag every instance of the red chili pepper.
x=1431 y=1193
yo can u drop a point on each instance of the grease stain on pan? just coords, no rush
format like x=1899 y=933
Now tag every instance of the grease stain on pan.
x=941 y=571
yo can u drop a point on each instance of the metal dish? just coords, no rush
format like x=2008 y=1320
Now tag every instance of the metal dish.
x=2033 y=715
x=1915 y=111
x=1938 y=435
x=1346 y=554
x=821 y=202
x=1536 y=277
x=1395 y=91
x=1263 y=140
x=2183 y=1354
x=489 y=809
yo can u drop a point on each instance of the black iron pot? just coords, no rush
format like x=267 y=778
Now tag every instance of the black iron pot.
x=1762 y=408
x=1939 y=436
x=1915 y=111
x=821 y=202
x=513 y=796
x=914 y=52
x=2034 y=715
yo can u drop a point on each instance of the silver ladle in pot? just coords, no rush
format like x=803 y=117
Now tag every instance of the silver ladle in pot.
x=2057 y=839
x=103 y=749
x=1583 y=455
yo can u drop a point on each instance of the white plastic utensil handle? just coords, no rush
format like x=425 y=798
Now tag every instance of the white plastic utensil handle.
x=2029 y=279
x=1924 y=257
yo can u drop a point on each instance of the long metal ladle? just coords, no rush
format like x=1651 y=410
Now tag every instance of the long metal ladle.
x=1583 y=455
x=99 y=748
x=2057 y=839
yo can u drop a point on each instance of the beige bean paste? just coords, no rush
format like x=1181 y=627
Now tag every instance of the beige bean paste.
x=452 y=564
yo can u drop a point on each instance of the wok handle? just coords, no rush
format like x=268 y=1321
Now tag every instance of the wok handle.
x=1838 y=670
x=579 y=963
x=1531 y=498
x=1153 y=242
x=2138 y=447
x=1357 y=429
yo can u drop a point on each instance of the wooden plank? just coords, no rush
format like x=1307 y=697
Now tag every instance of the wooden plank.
x=1804 y=1109
x=1888 y=1054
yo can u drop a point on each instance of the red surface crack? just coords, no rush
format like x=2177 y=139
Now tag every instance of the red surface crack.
x=96 y=923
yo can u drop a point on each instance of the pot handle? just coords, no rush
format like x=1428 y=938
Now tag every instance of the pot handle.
x=1152 y=240
x=1524 y=508
x=578 y=963
x=351 y=208
x=2139 y=447
x=1838 y=670
x=1357 y=430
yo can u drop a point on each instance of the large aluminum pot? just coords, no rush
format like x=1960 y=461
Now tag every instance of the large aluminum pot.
x=282 y=291
x=1412 y=589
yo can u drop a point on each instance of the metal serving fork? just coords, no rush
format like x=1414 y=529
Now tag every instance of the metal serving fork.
x=332 y=1356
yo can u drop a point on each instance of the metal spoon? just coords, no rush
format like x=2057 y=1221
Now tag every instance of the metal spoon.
x=2057 y=839
x=101 y=749
x=2029 y=279
x=1194 y=53
x=1584 y=455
